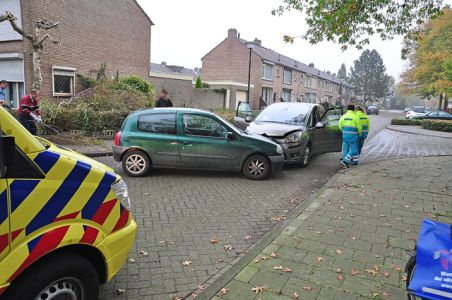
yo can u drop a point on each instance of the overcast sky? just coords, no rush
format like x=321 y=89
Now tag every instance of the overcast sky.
x=185 y=31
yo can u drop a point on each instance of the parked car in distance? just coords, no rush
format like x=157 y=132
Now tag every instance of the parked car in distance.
x=192 y=139
x=372 y=109
x=434 y=115
x=302 y=129
x=417 y=111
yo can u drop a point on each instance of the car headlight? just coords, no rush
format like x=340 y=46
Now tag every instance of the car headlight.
x=279 y=149
x=294 y=137
x=122 y=193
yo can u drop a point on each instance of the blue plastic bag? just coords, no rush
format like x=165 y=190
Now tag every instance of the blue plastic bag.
x=433 y=276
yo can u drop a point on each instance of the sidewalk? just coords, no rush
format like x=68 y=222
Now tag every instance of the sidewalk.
x=350 y=242
x=419 y=130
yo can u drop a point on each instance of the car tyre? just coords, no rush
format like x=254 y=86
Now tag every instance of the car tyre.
x=65 y=275
x=410 y=270
x=136 y=163
x=256 y=167
x=306 y=157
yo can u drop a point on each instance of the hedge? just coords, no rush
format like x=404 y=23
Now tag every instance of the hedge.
x=409 y=122
x=438 y=125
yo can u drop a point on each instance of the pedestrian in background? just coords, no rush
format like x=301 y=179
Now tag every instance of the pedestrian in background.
x=163 y=100
x=351 y=130
x=29 y=112
x=365 y=124
x=3 y=87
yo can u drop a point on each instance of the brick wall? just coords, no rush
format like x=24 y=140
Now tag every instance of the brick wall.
x=183 y=94
x=91 y=32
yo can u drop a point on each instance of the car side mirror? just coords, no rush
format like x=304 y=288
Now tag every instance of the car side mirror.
x=319 y=125
x=7 y=152
x=230 y=136
x=249 y=119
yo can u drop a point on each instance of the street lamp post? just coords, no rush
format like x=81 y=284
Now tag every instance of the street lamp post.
x=249 y=45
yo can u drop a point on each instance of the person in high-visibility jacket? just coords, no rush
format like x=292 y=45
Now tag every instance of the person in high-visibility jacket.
x=351 y=129
x=365 y=124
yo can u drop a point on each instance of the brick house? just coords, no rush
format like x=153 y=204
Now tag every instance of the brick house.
x=91 y=32
x=274 y=77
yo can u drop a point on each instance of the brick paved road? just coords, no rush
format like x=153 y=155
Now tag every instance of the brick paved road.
x=178 y=212
x=350 y=242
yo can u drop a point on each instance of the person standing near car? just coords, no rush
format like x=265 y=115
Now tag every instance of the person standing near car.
x=351 y=129
x=3 y=87
x=365 y=124
x=29 y=112
x=163 y=100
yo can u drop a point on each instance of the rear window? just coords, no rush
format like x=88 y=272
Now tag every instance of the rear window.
x=157 y=123
x=419 y=109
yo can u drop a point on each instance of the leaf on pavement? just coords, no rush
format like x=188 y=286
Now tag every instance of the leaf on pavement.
x=274 y=255
x=278 y=218
x=120 y=291
x=261 y=258
x=396 y=267
x=354 y=238
x=340 y=277
x=403 y=278
x=287 y=270
x=132 y=260
x=258 y=289
x=187 y=263
x=277 y=267
x=166 y=243
x=295 y=295
x=224 y=291
x=339 y=251
x=319 y=259
x=354 y=272
x=307 y=288
x=386 y=274
x=228 y=247
x=372 y=272
x=143 y=253
x=248 y=237
x=214 y=241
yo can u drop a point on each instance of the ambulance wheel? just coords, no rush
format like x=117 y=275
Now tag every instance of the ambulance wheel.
x=136 y=163
x=62 y=276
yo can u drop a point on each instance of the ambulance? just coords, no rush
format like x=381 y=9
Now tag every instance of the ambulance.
x=65 y=221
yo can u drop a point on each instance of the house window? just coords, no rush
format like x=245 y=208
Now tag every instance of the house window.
x=267 y=95
x=287 y=78
x=286 y=95
x=308 y=81
x=267 y=72
x=63 y=81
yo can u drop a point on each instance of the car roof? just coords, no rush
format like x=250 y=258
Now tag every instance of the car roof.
x=172 y=110
x=294 y=104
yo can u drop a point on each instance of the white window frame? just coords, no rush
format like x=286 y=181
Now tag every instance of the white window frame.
x=289 y=71
x=264 y=73
x=63 y=71
x=267 y=94
x=308 y=81
x=287 y=92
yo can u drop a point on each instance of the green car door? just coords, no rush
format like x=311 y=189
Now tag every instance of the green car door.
x=207 y=143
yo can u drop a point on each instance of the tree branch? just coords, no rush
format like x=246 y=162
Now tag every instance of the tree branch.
x=43 y=38
x=8 y=16
x=46 y=25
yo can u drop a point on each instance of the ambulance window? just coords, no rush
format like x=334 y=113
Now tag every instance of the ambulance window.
x=23 y=167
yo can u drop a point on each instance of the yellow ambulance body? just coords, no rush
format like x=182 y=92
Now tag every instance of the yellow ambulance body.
x=65 y=222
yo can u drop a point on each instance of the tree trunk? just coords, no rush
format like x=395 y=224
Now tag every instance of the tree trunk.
x=440 y=104
x=446 y=103
x=37 y=82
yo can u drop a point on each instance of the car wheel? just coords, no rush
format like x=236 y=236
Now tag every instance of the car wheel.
x=306 y=158
x=136 y=163
x=65 y=276
x=410 y=270
x=256 y=167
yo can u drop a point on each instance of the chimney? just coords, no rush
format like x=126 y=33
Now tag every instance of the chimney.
x=258 y=41
x=163 y=63
x=232 y=33
x=328 y=72
x=311 y=65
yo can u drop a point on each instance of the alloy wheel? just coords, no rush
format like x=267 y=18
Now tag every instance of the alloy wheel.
x=256 y=167
x=135 y=164
x=69 y=288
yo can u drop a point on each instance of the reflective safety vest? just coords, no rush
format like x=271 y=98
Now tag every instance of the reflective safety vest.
x=365 y=123
x=350 y=126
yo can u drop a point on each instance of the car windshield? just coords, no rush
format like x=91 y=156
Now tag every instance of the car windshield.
x=287 y=113
x=372 y=107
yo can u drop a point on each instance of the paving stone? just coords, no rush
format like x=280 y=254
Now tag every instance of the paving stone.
x=246 y=274
x=273 y=281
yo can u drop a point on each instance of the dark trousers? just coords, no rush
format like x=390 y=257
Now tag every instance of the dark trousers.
x=29 y=124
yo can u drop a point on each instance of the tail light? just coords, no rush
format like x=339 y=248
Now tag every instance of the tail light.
x=117 y=141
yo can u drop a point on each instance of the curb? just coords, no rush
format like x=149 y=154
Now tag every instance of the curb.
x=229 y=272
x=417 y=133
x=97 y=154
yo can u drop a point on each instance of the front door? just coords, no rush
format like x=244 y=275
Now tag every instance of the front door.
x=333 y=136
x=4 y=219
x=203 y=143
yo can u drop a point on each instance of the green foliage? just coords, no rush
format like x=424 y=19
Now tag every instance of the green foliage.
x=437 y=125
x=342 y=73
x=410 y=122
x=87 y=81
x=104 y=108
x=198 y=84
x=369 y=77
x=352 y=22
x=135 y=83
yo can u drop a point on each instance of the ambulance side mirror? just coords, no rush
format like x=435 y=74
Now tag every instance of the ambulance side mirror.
x=7 y=152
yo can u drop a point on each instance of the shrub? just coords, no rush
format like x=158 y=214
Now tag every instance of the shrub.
x=135 y=83
x=409 y=122
x=438 y=125
x=198 y=84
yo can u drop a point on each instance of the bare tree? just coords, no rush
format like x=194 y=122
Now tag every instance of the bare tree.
x=37 y=39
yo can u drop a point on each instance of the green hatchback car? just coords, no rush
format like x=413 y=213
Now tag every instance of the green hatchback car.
x=192 y=139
